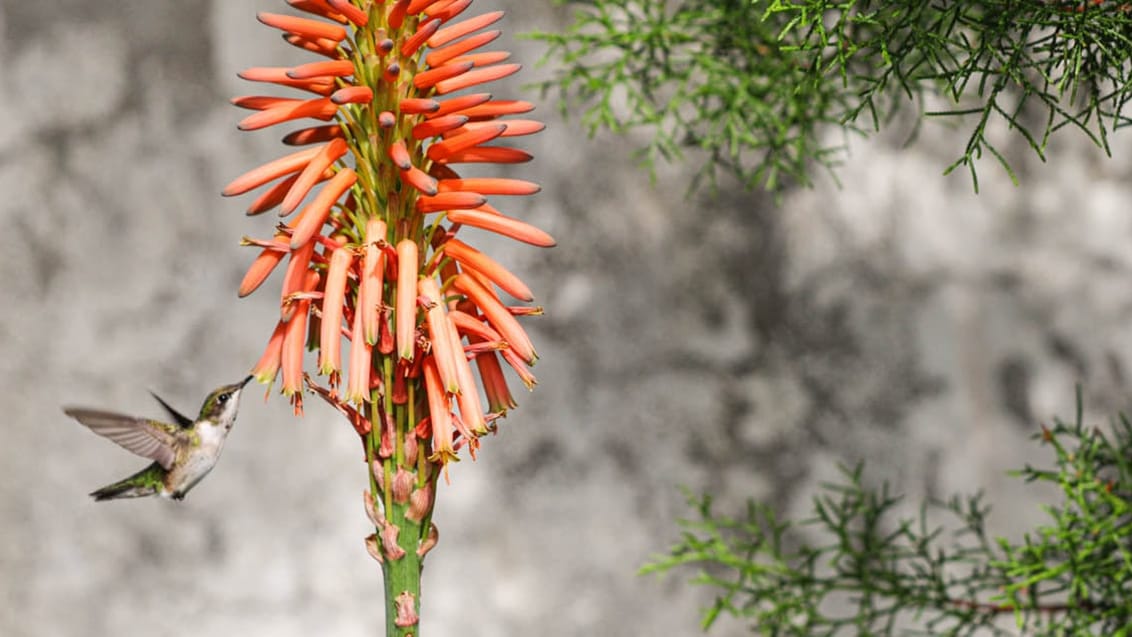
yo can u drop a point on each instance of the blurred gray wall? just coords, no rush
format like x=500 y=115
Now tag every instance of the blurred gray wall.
x=724 y=343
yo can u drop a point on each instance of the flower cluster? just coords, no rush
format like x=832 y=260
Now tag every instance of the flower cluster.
x=371 y=250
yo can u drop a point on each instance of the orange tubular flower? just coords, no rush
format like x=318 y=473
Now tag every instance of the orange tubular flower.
x=268 y=366
x=357 y=389
x=473 y=259
x=373 y=277
x=330 y=340
x=498 y=316
x=438 y=326
x=372 y=253
x=294 y=344
x=262 y=267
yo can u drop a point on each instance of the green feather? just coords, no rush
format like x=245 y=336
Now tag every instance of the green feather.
x=148 y=481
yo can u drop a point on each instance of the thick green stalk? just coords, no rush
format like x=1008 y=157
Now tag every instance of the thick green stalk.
x=404 y=488
x=403 y=577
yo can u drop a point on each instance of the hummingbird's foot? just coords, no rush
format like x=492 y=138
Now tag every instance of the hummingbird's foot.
x=178 y=496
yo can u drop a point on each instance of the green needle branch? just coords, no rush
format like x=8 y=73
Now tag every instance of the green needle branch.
x=758 y=84
x=871 y=572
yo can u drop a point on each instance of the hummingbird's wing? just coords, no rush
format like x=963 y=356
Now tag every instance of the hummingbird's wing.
x=147 y=438
x=184 y=421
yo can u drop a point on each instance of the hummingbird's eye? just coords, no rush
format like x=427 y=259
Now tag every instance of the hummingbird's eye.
x=223 y=397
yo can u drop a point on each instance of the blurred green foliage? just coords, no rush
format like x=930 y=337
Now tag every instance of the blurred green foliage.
x=857 y=568
x=759 y=85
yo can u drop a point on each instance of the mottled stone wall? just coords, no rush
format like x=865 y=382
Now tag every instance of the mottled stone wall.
x=725 y=343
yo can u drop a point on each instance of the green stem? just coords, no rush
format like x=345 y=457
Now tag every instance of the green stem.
x=403 y=575
x=402 y=563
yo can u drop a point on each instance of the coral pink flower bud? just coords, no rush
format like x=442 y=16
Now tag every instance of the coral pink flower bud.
x=460 y=29
x=326 y=156
x=400 y=156
x=498 y=316
x=427 y=79
x=320 y=108
x=397 y=13
x=442 y=55
x=278 y=75
x=315 y=215
x=473 y=259
x=488 y=155
x=303 y=27
x=319 y=8
x=512 y=127
x=456 y=104
x=352 y=13
x=490 y=186
x=472 y=326
x=329 y=68
x=313 y=135
x=420 y=180
x=436 y=125
x=352 y=95
x=416 y=6
x=424 y=32
x=321 y=46
x=272 y=197
x=459 y=143
x=474 y=77
x=496 y=108
x=417 y=105
x=484 y=58
x=447 y=10
x=450 y=201
x=272 y=170
x=506 y=226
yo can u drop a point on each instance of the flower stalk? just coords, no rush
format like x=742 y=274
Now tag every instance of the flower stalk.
x=372 y=205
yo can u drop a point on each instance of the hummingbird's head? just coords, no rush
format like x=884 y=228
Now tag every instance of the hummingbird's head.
x=221 y=405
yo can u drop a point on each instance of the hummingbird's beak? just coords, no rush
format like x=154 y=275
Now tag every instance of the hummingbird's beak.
x=246 y=381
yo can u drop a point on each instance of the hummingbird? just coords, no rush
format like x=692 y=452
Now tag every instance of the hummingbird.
x=183 y=452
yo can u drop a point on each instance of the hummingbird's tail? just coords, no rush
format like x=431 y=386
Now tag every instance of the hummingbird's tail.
x=145 y=482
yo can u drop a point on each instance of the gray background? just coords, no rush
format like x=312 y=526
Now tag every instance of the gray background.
x=726 y=343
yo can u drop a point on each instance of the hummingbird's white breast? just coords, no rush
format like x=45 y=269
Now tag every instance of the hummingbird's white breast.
x=198 y=460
